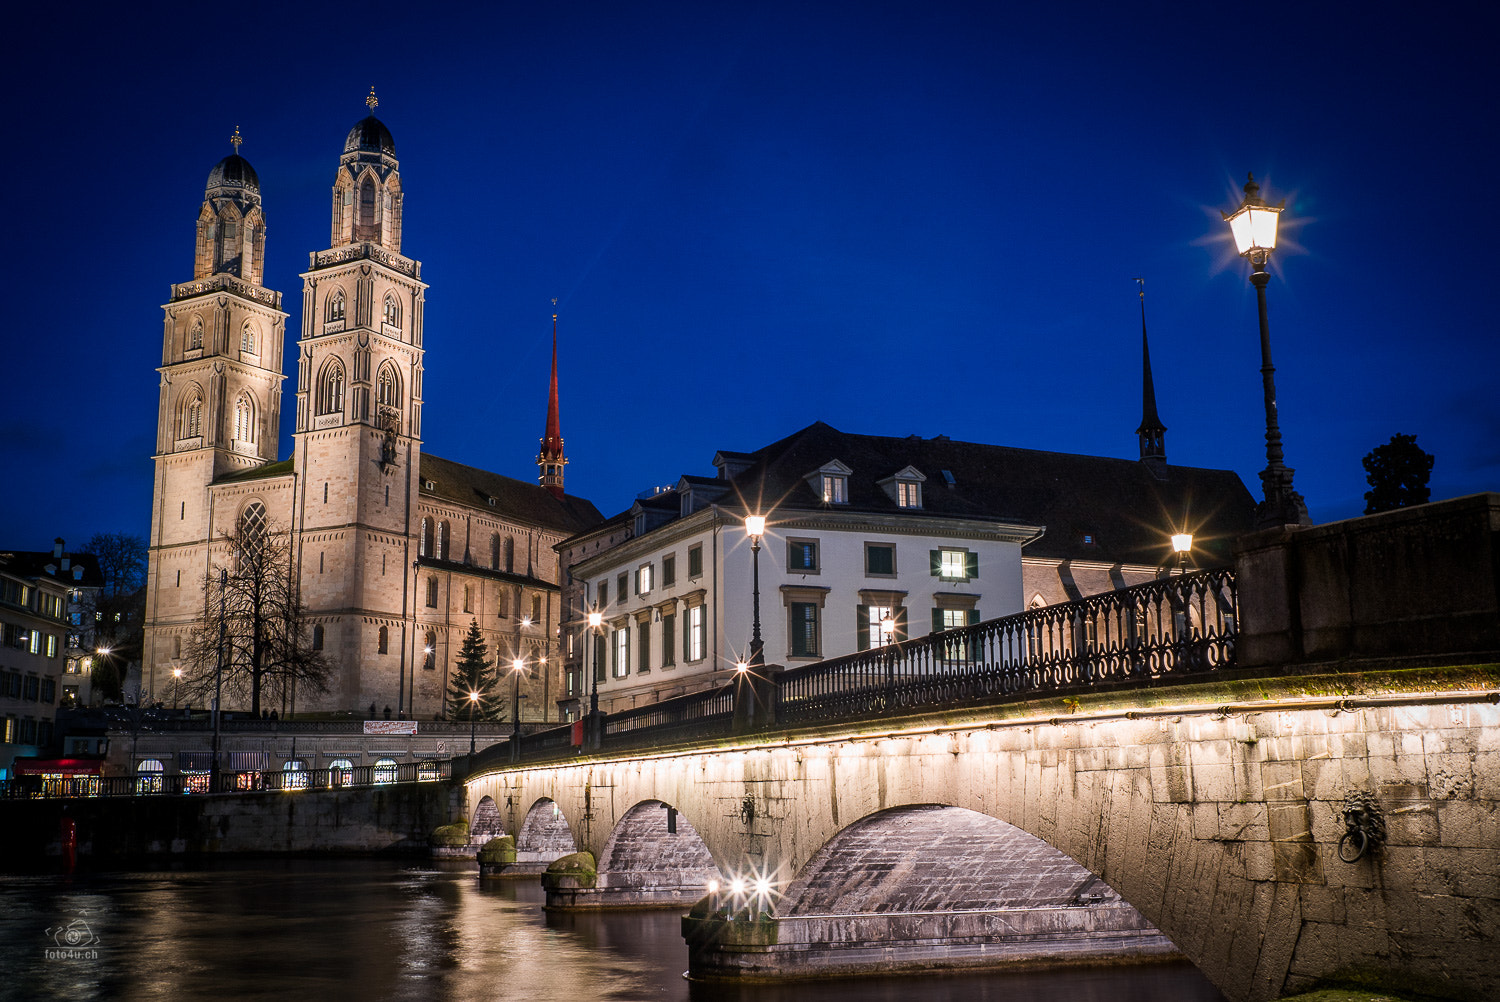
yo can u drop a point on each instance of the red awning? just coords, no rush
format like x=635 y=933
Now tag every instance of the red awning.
x=57 y=766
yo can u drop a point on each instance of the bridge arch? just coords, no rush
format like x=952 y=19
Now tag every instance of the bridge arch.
x=656 y=852
x=486 y=822
x=545 y=833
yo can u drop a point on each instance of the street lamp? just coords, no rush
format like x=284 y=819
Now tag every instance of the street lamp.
x=755 y=527
x=596 y=627
x=1254 y=227
x=473 y=710
x=176 y=682
x=1182 y=545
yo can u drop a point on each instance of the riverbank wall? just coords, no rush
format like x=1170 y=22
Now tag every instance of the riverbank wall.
x=393 y=818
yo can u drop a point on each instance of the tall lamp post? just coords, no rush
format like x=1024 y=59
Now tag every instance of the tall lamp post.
x=596 y=627
x=755 y=528
x=1254 y=227
x=176 y=684
x=517 y=669
x=473 y=714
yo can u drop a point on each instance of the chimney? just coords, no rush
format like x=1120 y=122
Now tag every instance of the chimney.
x=57 y=546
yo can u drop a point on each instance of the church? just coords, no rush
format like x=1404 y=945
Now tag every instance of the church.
x=394 y=551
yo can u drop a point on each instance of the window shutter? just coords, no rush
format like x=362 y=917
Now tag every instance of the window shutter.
x=861 y=627
x=937 y=620
x=973 y=616
x=971 y=564
x=937 y=562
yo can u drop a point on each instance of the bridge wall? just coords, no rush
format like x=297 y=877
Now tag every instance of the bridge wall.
x=1222 y=829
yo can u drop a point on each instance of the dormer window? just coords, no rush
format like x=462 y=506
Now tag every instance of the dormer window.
x=830 y=482
x=904 y=487
x=835 y=489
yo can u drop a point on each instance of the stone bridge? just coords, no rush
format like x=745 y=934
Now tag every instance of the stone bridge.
x=1023 y=829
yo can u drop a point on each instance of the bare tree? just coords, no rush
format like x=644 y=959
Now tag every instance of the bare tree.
x=117 y=613
x=254 y=637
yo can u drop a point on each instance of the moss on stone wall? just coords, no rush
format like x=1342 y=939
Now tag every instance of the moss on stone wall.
x=450 y=836
x=499 y=851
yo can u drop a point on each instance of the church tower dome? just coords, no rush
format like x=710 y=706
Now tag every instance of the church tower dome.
x=367 y=195
x=233 y=177
x=370 y=135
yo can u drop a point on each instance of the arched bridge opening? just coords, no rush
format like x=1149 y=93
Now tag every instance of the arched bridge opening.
x=654 y=858
x=912 y=888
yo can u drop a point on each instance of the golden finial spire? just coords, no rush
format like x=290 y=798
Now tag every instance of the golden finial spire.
x=236 y=139
x=372 y=101
x=554 y=309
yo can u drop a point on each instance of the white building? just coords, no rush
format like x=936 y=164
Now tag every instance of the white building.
x=930 y=533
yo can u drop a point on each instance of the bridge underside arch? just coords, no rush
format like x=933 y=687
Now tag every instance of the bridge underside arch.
x=654 y=857
x=543 y=837
x=917 y=887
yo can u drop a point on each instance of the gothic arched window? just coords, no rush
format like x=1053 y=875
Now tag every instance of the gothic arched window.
x=244 y=419
x=383 y=641
x=510 y=553
x=365 y=220
x=444 y=541
x=251 y=529
x=429 y=651
x=195 y=334
x=317 y=640
x=247 y=338
x=392 y=310
x=335 y=309
x=424 y=542
x=388 y=386
x=192 y=415
x=495 y=551
x=331 y=388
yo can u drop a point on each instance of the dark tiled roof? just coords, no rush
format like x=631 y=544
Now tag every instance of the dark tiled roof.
x=1094 y=508
x=32 y=564
x=473 y=488
x=262 y=472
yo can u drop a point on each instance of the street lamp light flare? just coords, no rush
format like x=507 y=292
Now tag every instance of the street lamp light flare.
x=1182 y=542
x=755 y=525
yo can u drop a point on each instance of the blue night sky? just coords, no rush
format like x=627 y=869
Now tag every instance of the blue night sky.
x=899 y=218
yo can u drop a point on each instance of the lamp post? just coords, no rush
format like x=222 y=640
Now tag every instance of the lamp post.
x=473 y=712
x=596 y=627
x=755 y=527
x=517 y=669
x=1254 y=227
x=176 y=683
x=888 y=628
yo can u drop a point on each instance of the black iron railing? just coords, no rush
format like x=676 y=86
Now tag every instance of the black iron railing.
x=1170 y=626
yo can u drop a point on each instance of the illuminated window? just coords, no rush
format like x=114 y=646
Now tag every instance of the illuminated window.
x=955 y=564
x=879 y=635
x=643 y=579
x=340 y=772
x=335 y=309
x=424 y=541
x=802 y=555
x=619 y=660
x=444 y=541
x=697 y=633
x=247 y=338
x=908 y=495
x=244 y=419
x=835 y=489
x=385 y=771
x=192 y=416
x=388 y=387
x=149 y=776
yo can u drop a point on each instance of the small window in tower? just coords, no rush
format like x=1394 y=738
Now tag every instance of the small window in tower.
x=247 y=339
x=335 y=309
x=392 y=311
x=195 y=334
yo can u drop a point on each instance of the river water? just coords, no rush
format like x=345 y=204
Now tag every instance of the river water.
x=375 y=930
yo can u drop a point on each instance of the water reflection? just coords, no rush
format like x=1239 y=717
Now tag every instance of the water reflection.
x=362 y=929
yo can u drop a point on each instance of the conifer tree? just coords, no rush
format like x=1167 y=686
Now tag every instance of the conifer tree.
x=474 y=673
x=1397 y=472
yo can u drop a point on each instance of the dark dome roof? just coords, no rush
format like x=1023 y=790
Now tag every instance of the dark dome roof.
x=370 y=134
x=234 y=171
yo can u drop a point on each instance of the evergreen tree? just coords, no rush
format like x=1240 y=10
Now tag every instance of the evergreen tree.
x=474 y=672
x=1397 y=472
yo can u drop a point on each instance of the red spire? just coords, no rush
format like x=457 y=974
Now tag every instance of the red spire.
x=551 y=459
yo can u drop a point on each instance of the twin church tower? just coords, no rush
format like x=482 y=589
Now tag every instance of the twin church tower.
x=395 y=552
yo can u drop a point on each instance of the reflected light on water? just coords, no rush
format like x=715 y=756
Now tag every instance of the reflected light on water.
x=376 y=930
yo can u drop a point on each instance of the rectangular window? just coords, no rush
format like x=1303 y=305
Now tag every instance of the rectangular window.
x=880 y=560
x=643 y=647
x=622 y=590
x=643 y=580
x=835 y=490
x=879 y=635
x=668 y=570
x=955 y=564
x=35 y=646
x=536 y=609
x=52 y=645
x=468 y=598
x=802 y=556
x=804 y=632
x=697 y=634
x=33 y=688
x=49 y=690
x=695 y=562
x=668 y=640
x=598 y=657
x=603 y=594
x=432 y=593
x=908 y=494
x=620 y=657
